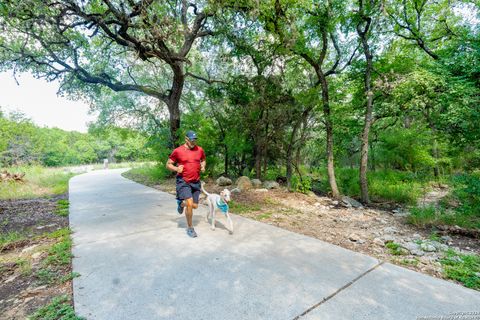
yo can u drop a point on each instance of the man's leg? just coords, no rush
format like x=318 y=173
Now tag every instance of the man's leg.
x=189 y=212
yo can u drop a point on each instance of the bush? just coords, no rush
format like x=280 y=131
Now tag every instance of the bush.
x=58 y=308
x=303 y=185
x=384 y=185
x=462 y=268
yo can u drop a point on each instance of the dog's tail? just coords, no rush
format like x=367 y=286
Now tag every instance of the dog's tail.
x=203 y=189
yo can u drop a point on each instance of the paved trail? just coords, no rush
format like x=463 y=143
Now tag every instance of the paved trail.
x=136 y=262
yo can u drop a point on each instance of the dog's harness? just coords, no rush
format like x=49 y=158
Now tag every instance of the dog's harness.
x=223 y=206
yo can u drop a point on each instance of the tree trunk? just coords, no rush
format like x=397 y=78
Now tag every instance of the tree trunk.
x=226 y=158
x=289 y=157
x=435 y=156
x=173 y=102
x=363 y=34
x=329 y=130
x=258 y=161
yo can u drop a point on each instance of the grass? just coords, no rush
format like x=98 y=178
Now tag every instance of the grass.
x=384 y=185
x=409 y=262
x=148 y=174
x=430 y=216
x=13 y=236
x=60 y=253
x=239 y=208
x=59 y=308
x=462 y=268
x=264 y=216
x=62 y=208
x=38 y=182
x=395 y=249
x=25 y=266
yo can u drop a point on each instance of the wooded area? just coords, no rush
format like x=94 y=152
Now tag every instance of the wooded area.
x=343 y=91
x=24 y=143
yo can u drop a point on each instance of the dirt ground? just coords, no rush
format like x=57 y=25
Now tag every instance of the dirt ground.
x=22 y=290
x=364 y=230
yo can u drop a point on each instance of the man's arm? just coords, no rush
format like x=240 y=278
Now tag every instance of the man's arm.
x=170 y=166
x=202 y=165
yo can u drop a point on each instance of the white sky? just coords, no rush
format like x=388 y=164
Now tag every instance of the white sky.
x=38 y=100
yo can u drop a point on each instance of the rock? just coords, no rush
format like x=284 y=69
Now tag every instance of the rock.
x=410 y=246
x=256 y=183
x=36 y=255
x=244 y=183
x=261 y=190
x=335 y=202
x=271 y=185
x=317 y=204
x=349 y=202
x=427 y=247
x=446 y=239
x=390 y=230
x=223 y=181
x=28 y=249
x=399 y=212
x=353 y=237
x=235 y=190
x=378 y=241
x=439 y=246
x=361 y=241
x=416 y=236
x=10 y=279
x=417 y=253
x=388 y=238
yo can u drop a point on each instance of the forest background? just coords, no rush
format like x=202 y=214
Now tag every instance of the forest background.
x=378 y=100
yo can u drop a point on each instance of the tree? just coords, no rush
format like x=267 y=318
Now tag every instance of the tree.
x=106 y=43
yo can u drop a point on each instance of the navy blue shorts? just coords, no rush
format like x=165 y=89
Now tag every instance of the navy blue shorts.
x=188 y=190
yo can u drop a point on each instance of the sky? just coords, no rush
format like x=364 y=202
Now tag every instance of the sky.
x=38 y=100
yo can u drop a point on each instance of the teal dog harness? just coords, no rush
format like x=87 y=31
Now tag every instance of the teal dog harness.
x=223 y=206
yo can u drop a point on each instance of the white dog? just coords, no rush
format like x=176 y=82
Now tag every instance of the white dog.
x=220 y=202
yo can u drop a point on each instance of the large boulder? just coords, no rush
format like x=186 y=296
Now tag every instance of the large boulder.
x=256 y=183
x=223 y=181
x=236 y=190
x=349 y=202
x=271 y=185
x=244 y=183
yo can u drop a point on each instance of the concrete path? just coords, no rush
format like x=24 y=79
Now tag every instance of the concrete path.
x=136 y=262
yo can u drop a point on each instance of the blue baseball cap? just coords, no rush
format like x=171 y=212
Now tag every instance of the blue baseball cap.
x=191 y=135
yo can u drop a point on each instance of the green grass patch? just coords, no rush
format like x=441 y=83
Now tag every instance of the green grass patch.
x=62 y=208
x=58 y=308
x=409 y=262
x=60 y=253
x=384 y=185
x=10 y=237
x=60 y=233
x=25 y=266
x=264 y=216
x=395 y=249
x=422 y=217
x=239 y=208
x=430 y=216
x=69 y=277
x=46 y=276
x=38 y=182
x=462 y=268
x=148 y=174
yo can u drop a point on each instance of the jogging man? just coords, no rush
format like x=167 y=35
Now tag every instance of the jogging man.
x=190 y=161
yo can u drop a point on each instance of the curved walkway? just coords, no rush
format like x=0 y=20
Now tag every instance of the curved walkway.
x=136 y=262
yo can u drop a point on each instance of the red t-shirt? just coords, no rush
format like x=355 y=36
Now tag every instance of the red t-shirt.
x=190 y=159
